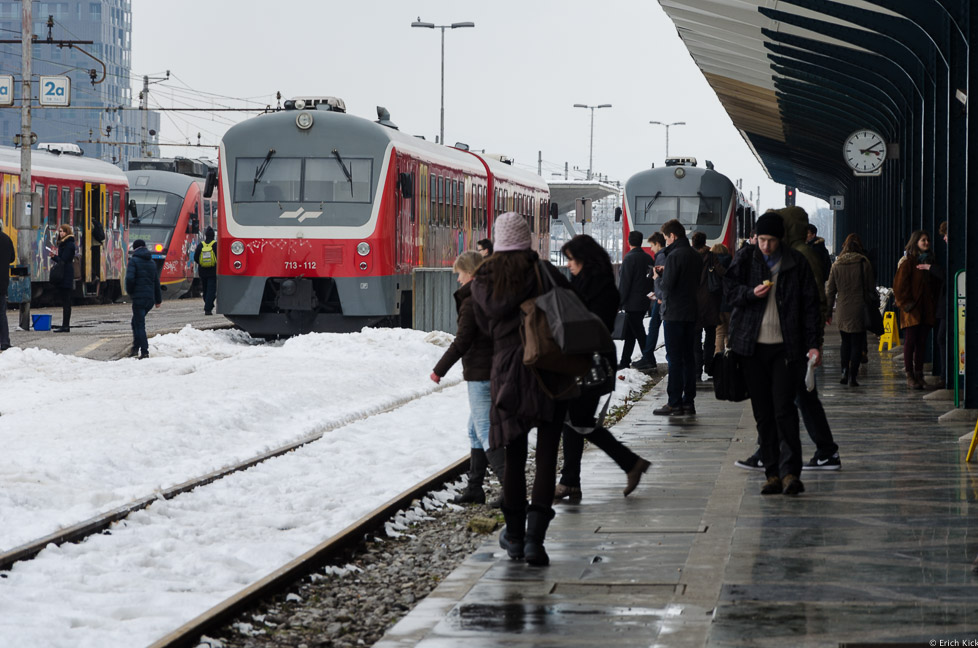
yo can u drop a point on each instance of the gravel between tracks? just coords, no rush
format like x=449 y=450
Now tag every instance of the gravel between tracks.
x=354 y=603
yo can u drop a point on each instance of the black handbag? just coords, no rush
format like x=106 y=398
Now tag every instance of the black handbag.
x=620 y=321
x=728 y=377
x=57 y=274
x=873 y=319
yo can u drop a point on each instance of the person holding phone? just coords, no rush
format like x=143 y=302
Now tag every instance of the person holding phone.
x=65 y=257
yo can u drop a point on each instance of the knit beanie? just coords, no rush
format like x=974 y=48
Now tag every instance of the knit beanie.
x=138 y=243
x=510 y=233
x=770 y=224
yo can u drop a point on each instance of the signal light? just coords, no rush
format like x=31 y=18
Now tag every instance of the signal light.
x=789 y=196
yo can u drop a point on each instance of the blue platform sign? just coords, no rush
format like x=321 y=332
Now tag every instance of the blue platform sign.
x=54 y=91
x=6 y=90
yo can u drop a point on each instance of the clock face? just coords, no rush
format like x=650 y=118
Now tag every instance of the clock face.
x=864 y=151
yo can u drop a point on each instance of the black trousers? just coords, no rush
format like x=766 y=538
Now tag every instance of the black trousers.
x=581 y=415
x=634 y=330
x=65 y=306
x=853 y=346
x=940 y=352
x=817 y=424
x=705 y=350
x=772 y=382
x=544 y=482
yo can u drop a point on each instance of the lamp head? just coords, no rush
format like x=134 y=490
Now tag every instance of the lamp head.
x=462 y=24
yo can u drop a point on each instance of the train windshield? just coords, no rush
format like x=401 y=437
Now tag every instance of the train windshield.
x=690 y=210
x=321 y=180
x=156 y=215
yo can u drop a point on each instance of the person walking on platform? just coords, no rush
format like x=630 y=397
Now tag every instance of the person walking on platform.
x=679 y=286
x=65 y=258
x=504 y=281
x=648 y=363
x=634 y=286
x=816 y=244
x=143 y=286
x=914 y=288
x=774 y=325
x=7 y=257
x=205 y=256
x=474 y=348
x=851 y=291
x=593 y=280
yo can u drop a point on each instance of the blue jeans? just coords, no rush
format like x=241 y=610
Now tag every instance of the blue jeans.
x=479 y=403
x=652 y=339
x=139 y=340
x=680 y=350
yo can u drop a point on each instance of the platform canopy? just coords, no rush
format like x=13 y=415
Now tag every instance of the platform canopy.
x=566 y=192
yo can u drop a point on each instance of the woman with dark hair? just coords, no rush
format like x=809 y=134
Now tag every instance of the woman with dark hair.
x=65 y=257
x=593 y=279
x=915 y=286
x=851 y=290
x=511 y=275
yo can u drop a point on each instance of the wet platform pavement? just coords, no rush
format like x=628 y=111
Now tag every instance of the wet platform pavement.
x=876 y=554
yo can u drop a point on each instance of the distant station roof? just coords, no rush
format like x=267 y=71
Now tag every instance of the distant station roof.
x=566 y=192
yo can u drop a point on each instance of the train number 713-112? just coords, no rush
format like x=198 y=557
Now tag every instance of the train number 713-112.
x=295 y=265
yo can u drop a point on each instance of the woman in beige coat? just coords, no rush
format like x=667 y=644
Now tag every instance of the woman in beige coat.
x=851 y=291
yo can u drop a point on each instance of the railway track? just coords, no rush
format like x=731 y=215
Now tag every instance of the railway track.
x=99 y=523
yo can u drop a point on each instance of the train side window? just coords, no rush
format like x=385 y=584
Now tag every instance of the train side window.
x=53 y=206
x=79 y=206
x=39 y=190
x=65 y=205
x=116 y=205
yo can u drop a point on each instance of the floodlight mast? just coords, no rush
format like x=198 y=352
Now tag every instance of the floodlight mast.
x=590 y=160
x=428 y=25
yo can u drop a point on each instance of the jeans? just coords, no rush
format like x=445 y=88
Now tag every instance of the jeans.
x=208 y=286
x=680 y=352
x=4 y=325
x=634 y=330
x=705 y=349
x=480 y=401
x=652 y=339
x=139 y=340
x=773 y=385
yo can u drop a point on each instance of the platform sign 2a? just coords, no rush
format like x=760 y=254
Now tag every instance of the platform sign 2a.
x=6 y=90
x=54 y=91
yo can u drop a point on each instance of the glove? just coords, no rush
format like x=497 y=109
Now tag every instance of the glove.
x=435 y=377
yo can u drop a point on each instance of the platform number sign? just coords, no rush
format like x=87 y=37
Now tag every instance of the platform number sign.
x=837 y=203
x=54 y=91
x=6 y=90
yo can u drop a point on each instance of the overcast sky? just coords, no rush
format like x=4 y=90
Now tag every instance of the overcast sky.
x=510 y=82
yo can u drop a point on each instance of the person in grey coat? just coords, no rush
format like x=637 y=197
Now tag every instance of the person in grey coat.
x=851 y=291
x=143 y=286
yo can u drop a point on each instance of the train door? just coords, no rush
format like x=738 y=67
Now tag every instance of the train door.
x=92 y=228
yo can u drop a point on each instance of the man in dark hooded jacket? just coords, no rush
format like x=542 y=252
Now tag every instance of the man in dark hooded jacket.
x=817 y=245
x=205 y=256
x=6 y=258
x=143 y=286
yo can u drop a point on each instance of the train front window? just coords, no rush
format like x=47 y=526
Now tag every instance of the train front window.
x=690 y=210
x=265 y=179
x=334 y=180
x=655 y=210
x=700 y=210
x=156 y=216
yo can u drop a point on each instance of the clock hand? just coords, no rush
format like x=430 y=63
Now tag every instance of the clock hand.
x=870 y=149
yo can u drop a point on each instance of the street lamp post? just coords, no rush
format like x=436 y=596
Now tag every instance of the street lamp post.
x=427 y=25
x=590 y=160
x=667 y=131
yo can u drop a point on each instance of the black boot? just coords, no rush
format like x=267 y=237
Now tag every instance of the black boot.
x=853 y=372
x=512 y=535
x=537 y=520
x=473 y=493
x=845 y=376
x=497 y=462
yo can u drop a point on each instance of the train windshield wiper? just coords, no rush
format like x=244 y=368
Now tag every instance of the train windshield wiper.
x=349 y=176
x=260 y=171
x=648 y=205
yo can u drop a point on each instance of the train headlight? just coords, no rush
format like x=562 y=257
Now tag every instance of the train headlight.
x=680 y=172
x=159 y=247
x=304 y=120
x=237 y=247
x=363 y=248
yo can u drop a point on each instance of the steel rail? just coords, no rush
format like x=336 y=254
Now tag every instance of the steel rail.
x=97 y=524
x=188 y=635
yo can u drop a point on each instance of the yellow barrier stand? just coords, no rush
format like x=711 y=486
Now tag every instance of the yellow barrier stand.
x=974 y=441
x=891 y=335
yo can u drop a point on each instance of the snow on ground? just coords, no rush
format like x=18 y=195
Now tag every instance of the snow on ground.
x=81 y=437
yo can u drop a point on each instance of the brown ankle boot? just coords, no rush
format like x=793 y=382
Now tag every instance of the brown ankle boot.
x=919 y=379
x=911 y=382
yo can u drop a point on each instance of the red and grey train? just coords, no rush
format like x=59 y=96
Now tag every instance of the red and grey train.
x=324 y=215
x=167 y=209
x=701 y=198
x=88 y=195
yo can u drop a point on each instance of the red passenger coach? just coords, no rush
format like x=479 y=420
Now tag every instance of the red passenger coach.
x=325 y=215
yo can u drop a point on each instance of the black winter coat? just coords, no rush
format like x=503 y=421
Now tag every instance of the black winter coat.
x=680 y=282
x=470 y=344
x=707 y=303
x=798 y=305
x=202 y=271
x=635 y=281
x=7 y=257
x=143 y=279
x=66 y=257
x=519 y=402
x=817 y=246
